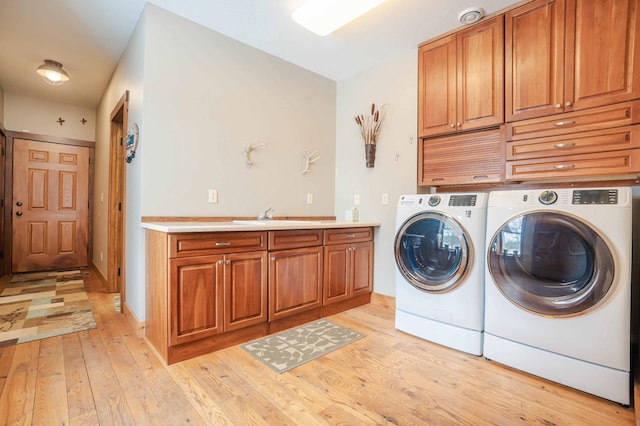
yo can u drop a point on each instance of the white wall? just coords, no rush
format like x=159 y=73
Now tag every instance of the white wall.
x=129 y=75
x=206 y=96
x=394 y=85
x=25 y=114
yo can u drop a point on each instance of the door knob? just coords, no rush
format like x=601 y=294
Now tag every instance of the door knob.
x=18 y=213
x=19 y=203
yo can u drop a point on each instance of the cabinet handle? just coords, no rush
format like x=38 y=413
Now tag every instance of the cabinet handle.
x=436 y=179
x=568 y=103
x=220 y=262
x=481 y=177
x=558 y=105
x=564 y=145
x=351 y=235
x=223 y=244
x=564 y=123
x=564 y=166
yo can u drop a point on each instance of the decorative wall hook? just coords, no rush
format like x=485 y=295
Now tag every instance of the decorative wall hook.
x=60 y=120
x=248 y=148
x=310 y=159
x=83 y=121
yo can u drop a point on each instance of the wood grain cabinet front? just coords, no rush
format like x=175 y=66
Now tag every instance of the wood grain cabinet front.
x=570 y=55
x=461 y=80
x=348 y=266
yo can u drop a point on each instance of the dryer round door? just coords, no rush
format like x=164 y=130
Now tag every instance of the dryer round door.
x=433 y=252
x=551 y=264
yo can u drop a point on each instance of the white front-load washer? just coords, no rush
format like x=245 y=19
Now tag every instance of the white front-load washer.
x=558 y=286
x=439 y=248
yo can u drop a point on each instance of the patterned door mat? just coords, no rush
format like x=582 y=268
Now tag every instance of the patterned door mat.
x=44 y=304
x=290 y=348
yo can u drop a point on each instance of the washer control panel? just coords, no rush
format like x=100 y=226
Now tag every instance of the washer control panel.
x=595 y=196
x=434 y=200
x=548 y=197
x=463 y=200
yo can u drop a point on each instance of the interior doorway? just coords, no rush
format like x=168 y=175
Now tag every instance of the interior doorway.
x=117 y=196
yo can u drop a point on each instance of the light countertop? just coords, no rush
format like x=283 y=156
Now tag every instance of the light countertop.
x=252 y=225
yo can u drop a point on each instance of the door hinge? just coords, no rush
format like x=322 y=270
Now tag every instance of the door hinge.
x=118 y=271
x=121 y=141
x=2 y=203
x=119 y=207
x=3 y=150
x=1 y=254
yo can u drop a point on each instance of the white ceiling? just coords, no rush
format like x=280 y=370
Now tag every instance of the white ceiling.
x=88 y=37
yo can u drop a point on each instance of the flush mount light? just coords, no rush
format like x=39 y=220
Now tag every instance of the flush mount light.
x=325 y=16
x=471 y=15
x=52 y=72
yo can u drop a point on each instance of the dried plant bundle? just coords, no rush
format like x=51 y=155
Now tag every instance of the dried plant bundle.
x=370 y=126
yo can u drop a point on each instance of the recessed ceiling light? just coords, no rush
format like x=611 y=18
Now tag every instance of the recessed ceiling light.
x=325 y=16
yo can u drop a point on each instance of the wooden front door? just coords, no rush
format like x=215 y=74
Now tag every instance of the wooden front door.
x=50 y=206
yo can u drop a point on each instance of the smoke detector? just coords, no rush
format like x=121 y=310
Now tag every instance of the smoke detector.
x=470 y=15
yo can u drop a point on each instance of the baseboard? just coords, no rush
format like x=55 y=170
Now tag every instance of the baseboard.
x=383 y=300
x=134 y=322
x=101 y=276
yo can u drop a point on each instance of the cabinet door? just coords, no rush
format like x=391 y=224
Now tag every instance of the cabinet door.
x=245 y=289
x=437 y=87
x=195 y=306
x=361 y=268
x=534 y=60
x=295 y=281
x=480 y=75
x=602 y=65
x=337 y=273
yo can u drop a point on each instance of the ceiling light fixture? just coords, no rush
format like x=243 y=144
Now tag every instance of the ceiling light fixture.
x=325 y=16
x=52 y=72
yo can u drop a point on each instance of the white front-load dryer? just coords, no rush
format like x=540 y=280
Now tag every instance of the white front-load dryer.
x=558 y=286
x=439 y=248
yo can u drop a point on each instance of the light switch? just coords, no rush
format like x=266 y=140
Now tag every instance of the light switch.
x=310 y=198
x=356 y=199
x=385 y=199
x=213 y=195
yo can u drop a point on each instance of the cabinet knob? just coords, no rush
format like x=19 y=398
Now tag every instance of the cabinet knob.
x=273 y=258
x=568 y=103
x=453 y=125
x=228 y=262
x=558 y=105
x=459 y=124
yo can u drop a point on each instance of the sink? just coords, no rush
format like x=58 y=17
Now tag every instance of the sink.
x=273 y=221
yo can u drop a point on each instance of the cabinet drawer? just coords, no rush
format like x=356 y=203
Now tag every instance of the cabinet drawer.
x=280 y=240
x=347 y=235
x=614 y=139
x=198 y=244
x=623 y=114
x=586 y=165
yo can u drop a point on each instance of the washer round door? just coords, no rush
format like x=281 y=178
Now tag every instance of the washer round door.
x=551 y=264
x=433 y=252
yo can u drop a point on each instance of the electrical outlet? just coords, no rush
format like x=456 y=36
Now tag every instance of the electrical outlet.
x=385 y=199
x=356 y=199
x=310 y=198
x=213 y=195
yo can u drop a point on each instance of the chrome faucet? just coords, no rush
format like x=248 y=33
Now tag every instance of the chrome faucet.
x=267 y=214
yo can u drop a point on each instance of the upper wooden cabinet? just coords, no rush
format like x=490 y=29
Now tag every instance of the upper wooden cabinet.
x=566 y=55
x=461 y=80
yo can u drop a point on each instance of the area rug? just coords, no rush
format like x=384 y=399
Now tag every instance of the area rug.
x=44 y=304
x=290 y=348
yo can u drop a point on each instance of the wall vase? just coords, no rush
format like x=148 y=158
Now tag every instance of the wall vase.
x=370 y=153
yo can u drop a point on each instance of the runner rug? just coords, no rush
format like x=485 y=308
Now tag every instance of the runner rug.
x=290 y=348
x=44 y=304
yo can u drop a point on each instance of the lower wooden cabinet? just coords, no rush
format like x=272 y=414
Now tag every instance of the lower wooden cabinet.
x=208 y=291
x=348 y=271
x=295 y=281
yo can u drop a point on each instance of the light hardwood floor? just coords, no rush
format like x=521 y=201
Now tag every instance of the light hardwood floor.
x=109 y=376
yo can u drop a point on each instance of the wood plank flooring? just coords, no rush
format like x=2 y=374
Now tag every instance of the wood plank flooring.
x=109 y=376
